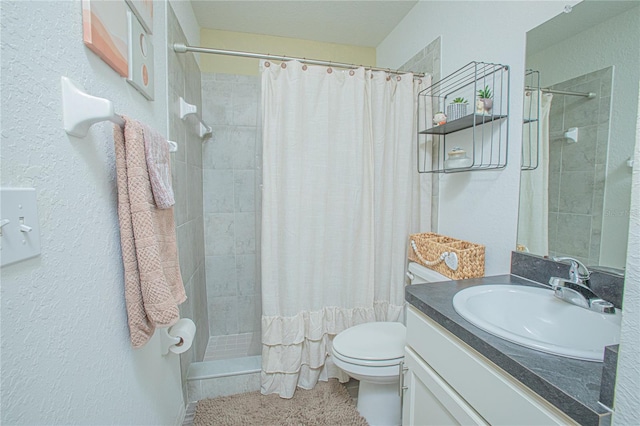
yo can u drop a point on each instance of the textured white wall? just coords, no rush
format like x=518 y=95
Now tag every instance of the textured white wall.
x=627 y=402
x=599 y=47
x=188 y=21
x=66 y=356
x=483 y=206
x=478 y=206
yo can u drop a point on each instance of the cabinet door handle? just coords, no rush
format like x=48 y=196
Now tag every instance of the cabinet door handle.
x=401 y=386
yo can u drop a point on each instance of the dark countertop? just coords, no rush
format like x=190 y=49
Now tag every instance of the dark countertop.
x=573 y=386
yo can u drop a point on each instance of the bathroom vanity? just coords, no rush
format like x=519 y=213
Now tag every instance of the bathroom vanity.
x=455 y=373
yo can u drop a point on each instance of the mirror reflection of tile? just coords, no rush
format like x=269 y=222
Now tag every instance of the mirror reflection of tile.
x=577 y=170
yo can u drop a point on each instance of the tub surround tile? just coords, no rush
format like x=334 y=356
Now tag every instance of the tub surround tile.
x=218 y=188
x=194 y=192
x=231 y=162
x=245 y=233
x=246 y=276
x=576 y=193
x=220 y=234
x=246 y=98
x=200 y=309
x=217 y=103
x=249 y=308
x=223 y=315
x=574 y=234
x=223 y=386
x=186 y=164
x=244 y=189
x=179 y=183
x=218 y=150
x=569 y=190
x=221 y=273
x=243 y=139
x=581 y=156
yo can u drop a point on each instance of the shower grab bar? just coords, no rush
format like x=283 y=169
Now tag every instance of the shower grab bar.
x=187 y=109
x=81 y=110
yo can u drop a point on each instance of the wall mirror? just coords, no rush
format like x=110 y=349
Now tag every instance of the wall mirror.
x=576 y=201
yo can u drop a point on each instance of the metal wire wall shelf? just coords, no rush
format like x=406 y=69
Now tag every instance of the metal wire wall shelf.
x=463 y=120
x=531 y=127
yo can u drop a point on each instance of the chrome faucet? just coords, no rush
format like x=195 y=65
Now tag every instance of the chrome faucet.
x=576 y=289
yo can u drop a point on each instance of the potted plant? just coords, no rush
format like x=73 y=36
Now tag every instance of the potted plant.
x=457 y=108
x=484 y=104
x=439 y=118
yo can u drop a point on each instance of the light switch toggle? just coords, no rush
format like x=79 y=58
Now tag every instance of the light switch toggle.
x=19 y=230
x=23 y=227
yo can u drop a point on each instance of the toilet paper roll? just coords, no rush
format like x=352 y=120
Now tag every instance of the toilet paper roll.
x=184 y=329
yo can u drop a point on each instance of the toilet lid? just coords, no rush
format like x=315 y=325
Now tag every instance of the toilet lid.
x=372 y=341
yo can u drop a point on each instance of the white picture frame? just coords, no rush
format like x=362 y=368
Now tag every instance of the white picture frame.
x=143 y=9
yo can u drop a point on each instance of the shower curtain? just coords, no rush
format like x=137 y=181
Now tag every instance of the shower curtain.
x=339 y=198
x=533 y=220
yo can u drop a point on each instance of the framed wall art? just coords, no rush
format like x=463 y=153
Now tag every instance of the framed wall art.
x=143 y=9
x=105 y=31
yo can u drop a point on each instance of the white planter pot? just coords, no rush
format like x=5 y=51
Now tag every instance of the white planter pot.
x=455 y=111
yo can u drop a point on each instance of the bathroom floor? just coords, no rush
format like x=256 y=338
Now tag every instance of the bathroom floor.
x=352 y=387
x=238 y=346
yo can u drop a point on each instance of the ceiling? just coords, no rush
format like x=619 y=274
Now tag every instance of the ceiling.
x=360 y=23
x=581 y=17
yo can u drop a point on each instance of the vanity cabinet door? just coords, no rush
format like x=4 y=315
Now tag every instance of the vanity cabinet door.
x=428 y=400
x=496 y=396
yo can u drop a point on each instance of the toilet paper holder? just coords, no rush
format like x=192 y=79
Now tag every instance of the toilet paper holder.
x=169 y=341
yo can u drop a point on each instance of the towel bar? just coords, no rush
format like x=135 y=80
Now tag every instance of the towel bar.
x=81 y=110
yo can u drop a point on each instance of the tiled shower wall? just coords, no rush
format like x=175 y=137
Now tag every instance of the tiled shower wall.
x=232 y=174
x=184 y=81
x=577 y=170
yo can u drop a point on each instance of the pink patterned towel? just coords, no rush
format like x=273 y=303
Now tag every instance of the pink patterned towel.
x=152 y=282
x=156 y=151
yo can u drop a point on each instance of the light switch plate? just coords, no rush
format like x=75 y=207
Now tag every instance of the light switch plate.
x=141 y=74
x=20 y=231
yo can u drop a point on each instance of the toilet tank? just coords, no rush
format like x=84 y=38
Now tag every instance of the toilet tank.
x=419 y=274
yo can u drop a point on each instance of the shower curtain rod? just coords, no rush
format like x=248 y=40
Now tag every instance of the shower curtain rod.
x=183 y=48
x=589 y=95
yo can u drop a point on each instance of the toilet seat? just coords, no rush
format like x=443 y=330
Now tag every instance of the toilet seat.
x=368 y=363
x=375 y=344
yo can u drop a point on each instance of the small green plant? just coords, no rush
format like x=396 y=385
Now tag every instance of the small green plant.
x=459 y=101
x=485 y=93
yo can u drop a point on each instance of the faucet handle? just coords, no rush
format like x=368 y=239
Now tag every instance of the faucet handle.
x=575 y=272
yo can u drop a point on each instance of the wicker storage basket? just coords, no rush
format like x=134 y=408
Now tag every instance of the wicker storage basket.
x=431 y=246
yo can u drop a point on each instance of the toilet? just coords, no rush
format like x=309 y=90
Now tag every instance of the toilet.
x=372 y=353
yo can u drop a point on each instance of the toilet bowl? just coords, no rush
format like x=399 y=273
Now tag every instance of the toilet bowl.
x=372 y=353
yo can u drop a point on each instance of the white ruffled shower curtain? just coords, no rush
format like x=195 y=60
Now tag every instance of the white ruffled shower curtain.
x=340 y=195
x=533 y=220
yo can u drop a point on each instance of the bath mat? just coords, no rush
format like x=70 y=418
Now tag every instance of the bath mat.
x=327 y=404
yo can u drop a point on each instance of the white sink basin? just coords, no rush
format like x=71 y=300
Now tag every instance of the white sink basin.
x=533 y=317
